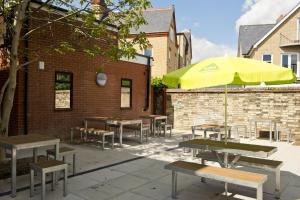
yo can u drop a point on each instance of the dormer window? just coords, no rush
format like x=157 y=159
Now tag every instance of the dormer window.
x=172 y=34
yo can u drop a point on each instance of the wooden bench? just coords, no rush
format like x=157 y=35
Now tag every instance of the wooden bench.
x=102 y=134
x=44 y=167
x=232 y=176
x=265 y=164
x=63 y=152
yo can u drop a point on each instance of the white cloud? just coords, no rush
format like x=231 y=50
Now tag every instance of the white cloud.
x=264 y=11
x=203 y=48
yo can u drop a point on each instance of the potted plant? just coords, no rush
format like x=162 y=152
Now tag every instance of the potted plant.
x=101 y=77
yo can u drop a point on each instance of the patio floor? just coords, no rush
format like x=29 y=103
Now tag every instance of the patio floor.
x=136 y=172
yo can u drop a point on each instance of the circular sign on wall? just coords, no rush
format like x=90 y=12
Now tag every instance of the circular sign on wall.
x=101 y=79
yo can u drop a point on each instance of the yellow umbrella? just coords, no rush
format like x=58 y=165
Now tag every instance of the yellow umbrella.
x=228 y=71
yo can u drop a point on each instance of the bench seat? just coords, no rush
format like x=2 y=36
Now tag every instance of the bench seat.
x=260 y=163
x=232 y=176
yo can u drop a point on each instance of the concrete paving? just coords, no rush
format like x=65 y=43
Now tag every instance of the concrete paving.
x=136 y=172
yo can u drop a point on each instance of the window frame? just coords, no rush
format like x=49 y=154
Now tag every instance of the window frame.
x=267 y=54
x=130 y=103
x=71 y=90
x=289 y=54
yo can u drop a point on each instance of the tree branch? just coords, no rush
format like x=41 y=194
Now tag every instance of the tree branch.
x=3 y=89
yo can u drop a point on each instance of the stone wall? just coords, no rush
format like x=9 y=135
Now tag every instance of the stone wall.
x=185 y=108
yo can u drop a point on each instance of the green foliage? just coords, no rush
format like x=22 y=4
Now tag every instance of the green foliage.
x=91 y=26
x=157 y=83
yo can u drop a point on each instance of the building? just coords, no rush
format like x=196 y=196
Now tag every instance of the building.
x=164 y=46
x=184 y=48
x=60 y=90
x=277 y=43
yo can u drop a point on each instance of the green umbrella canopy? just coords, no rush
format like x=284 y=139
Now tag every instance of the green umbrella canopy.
x=228 y=70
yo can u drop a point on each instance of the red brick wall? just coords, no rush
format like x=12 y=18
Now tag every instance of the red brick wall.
x=88 y=98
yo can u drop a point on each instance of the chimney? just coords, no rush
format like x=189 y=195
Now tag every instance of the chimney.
x=99 y=7
x=280 y=18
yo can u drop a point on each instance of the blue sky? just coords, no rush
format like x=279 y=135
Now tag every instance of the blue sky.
x=214 y=23
x=212 y=19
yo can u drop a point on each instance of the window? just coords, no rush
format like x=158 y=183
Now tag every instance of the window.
x=126 y=93
x=172 y=34
x=63 y=90
x=290 y=60
x=148 y=52
x=268 y=58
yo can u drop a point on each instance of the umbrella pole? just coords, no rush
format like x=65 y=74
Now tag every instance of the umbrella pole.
x=225 y=113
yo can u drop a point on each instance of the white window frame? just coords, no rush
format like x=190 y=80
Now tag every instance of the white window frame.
x=290 y=61
x=267 y=54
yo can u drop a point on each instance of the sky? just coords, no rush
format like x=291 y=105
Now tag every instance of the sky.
x=214 y=23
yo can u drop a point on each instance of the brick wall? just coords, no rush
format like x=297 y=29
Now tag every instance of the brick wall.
x=207 y=106
x=88 y=98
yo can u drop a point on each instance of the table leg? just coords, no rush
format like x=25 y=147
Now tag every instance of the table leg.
x=13 y=172
x=141 y=133
x=226 y=166
x=271 y=139
x=154 y=127
x=121 y=135
x=35 y=155
x=193 y=132
x=255 y=129
x=276 y=132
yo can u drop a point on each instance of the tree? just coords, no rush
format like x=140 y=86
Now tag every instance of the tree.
x=89 y=21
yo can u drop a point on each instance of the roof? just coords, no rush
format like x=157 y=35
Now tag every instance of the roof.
x=249 y=35
x=287 y=16
x=158 y=20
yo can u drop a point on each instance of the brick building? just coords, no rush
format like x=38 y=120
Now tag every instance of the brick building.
x=59 y=90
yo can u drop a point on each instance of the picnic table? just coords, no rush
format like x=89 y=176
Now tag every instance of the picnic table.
x=272 y=126
x=236 y=150
x=21 y=142
x=117 y=122
x=209 y=127
x=153 y=119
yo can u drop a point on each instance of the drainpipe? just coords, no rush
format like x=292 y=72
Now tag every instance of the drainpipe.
x=148 y=74
x=26 y=59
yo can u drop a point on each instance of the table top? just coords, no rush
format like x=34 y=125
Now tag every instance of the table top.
x=154 y=116
x=231 y=147
x=209 y=126
x=28 y=141
x=265 y=120
x=114 y=120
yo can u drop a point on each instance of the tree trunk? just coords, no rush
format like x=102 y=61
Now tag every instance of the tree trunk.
x=8 y=99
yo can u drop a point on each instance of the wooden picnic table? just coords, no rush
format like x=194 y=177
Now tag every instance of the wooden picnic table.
x=209 y=127
x=153 y=119
x=21 y=142
x=117 y=122
x=234 y=149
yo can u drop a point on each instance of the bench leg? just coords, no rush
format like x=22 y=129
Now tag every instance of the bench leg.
x=74 y=164
x=103 y=141
x=259 y=193
x=174 y=184
x=53 y=181
x=113 y=141
x=203 y=163
x=277 y=177
x=31 y=182
x=43 y=186
x=65 y=181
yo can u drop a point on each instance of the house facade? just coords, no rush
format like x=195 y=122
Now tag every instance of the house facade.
x=184 y=48
x=59 y=90
x=275 y=43
x=164 y=45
